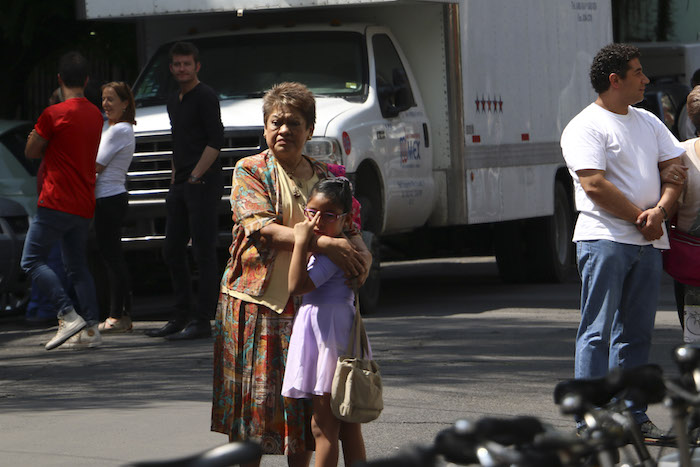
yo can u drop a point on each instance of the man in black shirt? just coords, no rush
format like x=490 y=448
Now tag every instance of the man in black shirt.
x=193 y=200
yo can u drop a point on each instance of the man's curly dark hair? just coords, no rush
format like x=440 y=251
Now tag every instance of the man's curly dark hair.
x=613 y=58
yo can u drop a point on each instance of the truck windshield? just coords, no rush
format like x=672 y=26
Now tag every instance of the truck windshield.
x=243 y=66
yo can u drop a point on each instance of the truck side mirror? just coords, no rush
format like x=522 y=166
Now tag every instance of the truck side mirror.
x=394 y=98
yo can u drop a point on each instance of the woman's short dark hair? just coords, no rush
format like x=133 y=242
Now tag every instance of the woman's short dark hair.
x=184 y=48
x=613 y=58
x=290 y=95
x=337 y=190
x=124 y=92
x=73 y=69
x=693 y=107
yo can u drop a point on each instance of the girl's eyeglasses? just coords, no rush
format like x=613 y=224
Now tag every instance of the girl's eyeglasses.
x=325 y=215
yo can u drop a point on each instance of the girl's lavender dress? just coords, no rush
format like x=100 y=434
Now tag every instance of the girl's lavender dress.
x=320 y=333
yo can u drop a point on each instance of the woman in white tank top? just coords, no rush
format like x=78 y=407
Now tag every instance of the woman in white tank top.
x=112 y=199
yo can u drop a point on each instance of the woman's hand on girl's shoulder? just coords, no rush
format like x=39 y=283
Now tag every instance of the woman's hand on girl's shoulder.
x=346 y=256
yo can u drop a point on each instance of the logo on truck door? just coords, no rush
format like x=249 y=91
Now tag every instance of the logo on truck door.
x=410 y=150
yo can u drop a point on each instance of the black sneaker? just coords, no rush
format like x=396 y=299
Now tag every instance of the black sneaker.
x=652 y=434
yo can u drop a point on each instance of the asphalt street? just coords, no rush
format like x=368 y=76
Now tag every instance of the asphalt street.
x=452 y=341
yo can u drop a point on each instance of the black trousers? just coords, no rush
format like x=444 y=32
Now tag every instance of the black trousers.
x=109 y=217
x=193 y=214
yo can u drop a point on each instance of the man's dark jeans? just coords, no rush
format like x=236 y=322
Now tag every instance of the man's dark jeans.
x=48 y=227
x=193 y=213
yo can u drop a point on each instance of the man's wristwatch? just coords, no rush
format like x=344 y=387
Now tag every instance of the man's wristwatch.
x=194 y=179
x=663 y=211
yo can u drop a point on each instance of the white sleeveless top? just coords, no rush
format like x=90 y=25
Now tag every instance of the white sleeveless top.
x=115 y=153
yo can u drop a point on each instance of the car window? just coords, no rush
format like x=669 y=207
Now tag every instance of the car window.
x=12 y=145
x=393 y=87
x=341 y=72
x=669 y=109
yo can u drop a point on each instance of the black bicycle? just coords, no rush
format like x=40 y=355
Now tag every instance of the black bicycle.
x=222 y=456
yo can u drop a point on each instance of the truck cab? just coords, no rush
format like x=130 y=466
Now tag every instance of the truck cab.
x=369 y=111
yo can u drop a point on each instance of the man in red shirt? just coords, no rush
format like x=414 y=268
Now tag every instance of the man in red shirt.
x=67 y=136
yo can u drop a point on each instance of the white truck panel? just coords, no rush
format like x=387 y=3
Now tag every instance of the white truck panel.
x=492 y=197
x=106 y=9
x=520 y=70
x=547 y=74
x=525 y=75
x=425 y=53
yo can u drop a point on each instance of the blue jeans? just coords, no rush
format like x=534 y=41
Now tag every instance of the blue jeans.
x=619 y=295
x=48 y=227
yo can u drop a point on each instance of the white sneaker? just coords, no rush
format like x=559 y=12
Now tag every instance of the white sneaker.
x=88 y=338
x=68 y=325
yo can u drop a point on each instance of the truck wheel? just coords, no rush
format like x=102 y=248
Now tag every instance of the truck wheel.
x=369 y=292
x=537 y=250
x=557 y=251
x=367 y=192
x=511 y=251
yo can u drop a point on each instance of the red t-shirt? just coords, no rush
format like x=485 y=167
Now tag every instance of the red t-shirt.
x=73 y=129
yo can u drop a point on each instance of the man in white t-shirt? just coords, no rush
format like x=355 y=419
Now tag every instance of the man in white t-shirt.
x=615 y=153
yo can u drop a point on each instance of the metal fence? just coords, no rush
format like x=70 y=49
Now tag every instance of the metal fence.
x=42 y=82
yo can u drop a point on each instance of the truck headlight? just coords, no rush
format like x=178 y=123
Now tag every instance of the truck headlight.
x=324 y=149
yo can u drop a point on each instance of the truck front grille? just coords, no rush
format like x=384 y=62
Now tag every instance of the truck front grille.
x=148 y=180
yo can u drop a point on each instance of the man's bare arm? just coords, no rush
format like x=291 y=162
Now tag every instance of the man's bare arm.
x=669 y=191
x=209 y=155
x=607 y=196
x=36 y=145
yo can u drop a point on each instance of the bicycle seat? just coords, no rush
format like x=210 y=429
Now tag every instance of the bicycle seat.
x=643 y=384
x=221 y=456
x=508 y=431
x=596 y=392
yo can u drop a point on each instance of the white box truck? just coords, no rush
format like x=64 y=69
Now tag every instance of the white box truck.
x=446 y=113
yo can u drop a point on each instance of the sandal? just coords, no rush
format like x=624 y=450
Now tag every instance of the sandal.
x=123 y=324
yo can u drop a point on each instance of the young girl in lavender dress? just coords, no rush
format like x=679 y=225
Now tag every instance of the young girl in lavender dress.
x=323 y=323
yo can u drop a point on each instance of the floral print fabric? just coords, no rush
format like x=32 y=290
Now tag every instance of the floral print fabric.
x=255 y=203
x=251 y=340
x=250 y=352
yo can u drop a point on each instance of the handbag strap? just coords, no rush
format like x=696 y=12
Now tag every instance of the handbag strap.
x=358 y=336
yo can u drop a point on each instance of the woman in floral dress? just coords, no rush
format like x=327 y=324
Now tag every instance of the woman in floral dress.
x=255 y=312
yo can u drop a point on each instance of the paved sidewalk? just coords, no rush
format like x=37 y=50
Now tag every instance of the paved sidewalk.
x=134 y=398
x=470 y=347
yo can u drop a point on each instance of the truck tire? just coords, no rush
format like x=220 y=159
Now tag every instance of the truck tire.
x=556 y=257
x=510 y=250
x=537 y=250
x=371 y=289
x=368 y=193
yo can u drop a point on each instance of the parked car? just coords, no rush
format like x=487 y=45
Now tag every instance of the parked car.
x=17 y=203
x=666 y=99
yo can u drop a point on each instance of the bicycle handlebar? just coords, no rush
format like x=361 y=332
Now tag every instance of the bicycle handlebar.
x=221 y=456
x=643 y=385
